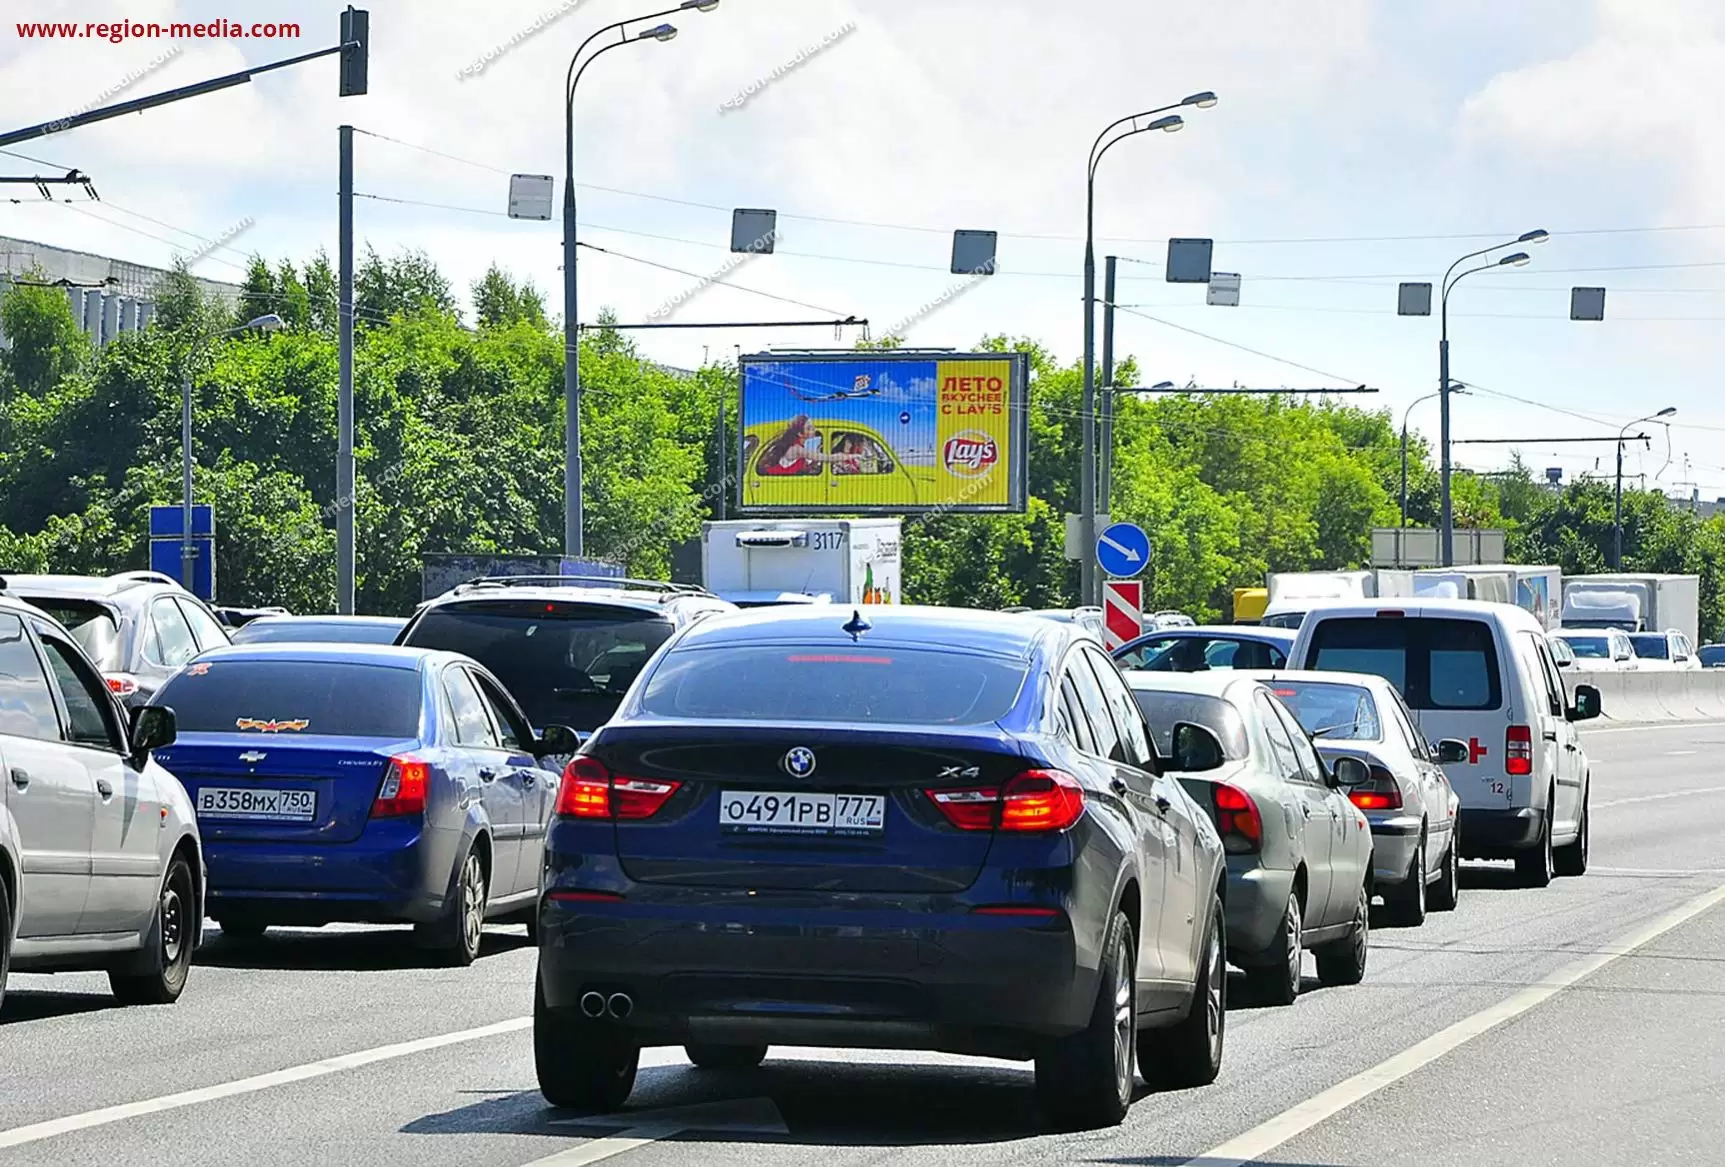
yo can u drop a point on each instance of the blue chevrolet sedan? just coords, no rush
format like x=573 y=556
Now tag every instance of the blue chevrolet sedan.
x=363 y=783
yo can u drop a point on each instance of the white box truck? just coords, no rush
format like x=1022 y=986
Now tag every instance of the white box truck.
x=1294 y=593
x=1536 y=589
x=756 y=562
x=1634 y=603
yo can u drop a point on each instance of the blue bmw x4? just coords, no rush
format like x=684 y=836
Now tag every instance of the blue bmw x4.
x=908 y=828
x=362 y=783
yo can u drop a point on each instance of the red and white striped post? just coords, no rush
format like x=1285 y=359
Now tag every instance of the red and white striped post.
x=1122 y=611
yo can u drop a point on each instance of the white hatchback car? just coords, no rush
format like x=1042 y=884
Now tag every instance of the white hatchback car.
x=1482 y=674
x=100 y=862
x=1600 y=650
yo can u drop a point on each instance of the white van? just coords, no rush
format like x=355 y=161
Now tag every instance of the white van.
x=1483 y=673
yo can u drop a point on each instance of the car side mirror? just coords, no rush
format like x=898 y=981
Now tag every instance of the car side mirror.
x=1196 y=749
x=556 y=740
x=1351 y=772
x=153 y=727
x=1586 y=705
x=1452 y=750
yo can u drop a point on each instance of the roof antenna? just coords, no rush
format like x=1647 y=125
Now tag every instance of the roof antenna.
x=856 y=625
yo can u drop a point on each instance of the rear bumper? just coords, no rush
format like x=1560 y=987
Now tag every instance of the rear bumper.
x=1257 y=899
x=1499 y=834
x=381 y=877
x=1395 y=838
x=805 y=968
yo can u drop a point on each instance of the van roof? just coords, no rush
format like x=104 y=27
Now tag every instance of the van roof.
x=1417 y=607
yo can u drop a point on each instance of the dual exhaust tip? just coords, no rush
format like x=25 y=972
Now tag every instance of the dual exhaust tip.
x=617 y=1005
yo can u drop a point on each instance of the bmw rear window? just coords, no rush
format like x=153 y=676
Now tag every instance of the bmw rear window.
x=862 y=683
x=1435 y=663
x=294 y=699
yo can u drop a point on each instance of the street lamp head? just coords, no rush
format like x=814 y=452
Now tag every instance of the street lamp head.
x=1161 y=385
x=700 y=5
x=1168 y=124
x=1667 y=411
x=1519 y=259
x=1537 y=235
x=662 y=32
x=1202 y=100
x=269 y=323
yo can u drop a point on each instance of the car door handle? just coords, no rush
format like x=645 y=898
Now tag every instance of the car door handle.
x=1305 y=810
x=104 y=788
x=1551 y=735
x=20 y=778
x=1163 y=804
x=487 y=774
x=527 y=778
x=1118 y=785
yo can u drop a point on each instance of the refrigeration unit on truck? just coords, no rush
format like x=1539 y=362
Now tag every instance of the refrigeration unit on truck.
x=1294 y=593
x=1634 y=603
x=1534 y=589
x=758 y=562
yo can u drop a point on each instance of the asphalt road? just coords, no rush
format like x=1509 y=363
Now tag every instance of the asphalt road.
x=1516 y=1030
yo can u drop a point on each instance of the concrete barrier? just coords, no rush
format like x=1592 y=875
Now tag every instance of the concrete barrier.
x=1610 y=686
x=1707 y=688
x=1650 y=695
x=1672 y=692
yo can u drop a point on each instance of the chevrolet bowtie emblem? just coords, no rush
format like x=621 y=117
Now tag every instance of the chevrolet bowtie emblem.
x=253 y=756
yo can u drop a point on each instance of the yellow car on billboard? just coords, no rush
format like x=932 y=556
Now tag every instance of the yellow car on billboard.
x=830 y=463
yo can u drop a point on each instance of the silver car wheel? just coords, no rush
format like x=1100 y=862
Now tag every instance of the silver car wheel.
x=1125 y=1024
x=472 y=903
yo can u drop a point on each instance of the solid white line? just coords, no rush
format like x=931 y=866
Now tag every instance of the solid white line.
x=1295 y=1121
x=592 y=1152
x=1660 y=797
x=1643 y=728
x=18 y=1136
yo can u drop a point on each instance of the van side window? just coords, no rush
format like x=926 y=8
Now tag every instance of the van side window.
x=1544 y=672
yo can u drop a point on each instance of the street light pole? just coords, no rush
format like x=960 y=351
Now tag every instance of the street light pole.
x=1087 y=575
x=574 y=544
x=1416 y=401
x=1450 y=280
x=1617 y=496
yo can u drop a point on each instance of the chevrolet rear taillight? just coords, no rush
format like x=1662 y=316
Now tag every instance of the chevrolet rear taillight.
x=591 y=791
x=1034 y=800
x=404 y=788
x=1518 y=751
x=1382 y=793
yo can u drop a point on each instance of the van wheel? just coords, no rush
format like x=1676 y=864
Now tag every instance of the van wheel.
x=1343 y=962
x=1571 y=860
x=1086 y=1080
x=157 y=976
x=1447 y=890
x=1277 y=980
x=581 y=1064
x=1190 y=1053
x=1406 y=903
x=1535 y=868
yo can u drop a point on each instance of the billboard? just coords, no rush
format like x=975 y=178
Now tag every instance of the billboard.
x=883 y=433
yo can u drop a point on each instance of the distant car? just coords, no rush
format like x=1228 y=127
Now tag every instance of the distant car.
x=321 y=630
x=363 y=783
x=1170 y=619
x=1299 y=852
x=1600 y=650
x=567 y=648
x=138 y=626
x=921 y=828
x=1195 y=649
x=1088 y=618
x=1712 y=656
x=1392 y=774
x=100 y=863
x=1664 y=650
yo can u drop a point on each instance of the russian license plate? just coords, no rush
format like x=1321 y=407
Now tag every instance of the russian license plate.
x=771 y=812
x=293 y=806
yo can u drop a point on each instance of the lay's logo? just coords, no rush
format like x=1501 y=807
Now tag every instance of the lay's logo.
x=970 y=454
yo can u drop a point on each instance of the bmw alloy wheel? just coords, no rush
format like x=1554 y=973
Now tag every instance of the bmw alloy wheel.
x=1125 y=1025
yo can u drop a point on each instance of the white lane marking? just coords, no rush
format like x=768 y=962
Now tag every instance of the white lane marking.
x=632 y=1139
x=35 y=1132
x=1660 y=797
x=1680 y=753
x=1297 y=1120
x=1690 y=725
x=1657 y=870
x=755 y=1116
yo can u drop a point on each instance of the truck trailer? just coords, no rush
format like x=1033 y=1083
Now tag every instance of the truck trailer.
x=754 y=563
x=1634 y=603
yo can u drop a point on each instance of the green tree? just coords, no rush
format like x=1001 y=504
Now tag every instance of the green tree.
x=46 y=343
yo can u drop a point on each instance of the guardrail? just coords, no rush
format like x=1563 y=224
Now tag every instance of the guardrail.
x=1651 y=695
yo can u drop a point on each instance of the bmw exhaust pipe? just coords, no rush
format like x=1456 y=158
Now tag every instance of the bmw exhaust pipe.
x=592 y=1005
x=620 y=1005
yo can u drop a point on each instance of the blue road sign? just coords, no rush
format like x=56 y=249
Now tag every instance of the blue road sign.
x=167 y=548
x=1123 y=550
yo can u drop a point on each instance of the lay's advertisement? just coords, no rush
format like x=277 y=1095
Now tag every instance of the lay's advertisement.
x=883 y=433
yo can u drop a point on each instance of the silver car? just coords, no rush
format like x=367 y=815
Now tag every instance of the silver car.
x=1299 y=852
x=1365 y=731
x=100 y=861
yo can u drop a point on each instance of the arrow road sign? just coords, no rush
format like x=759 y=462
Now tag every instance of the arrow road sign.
x=1123 y=550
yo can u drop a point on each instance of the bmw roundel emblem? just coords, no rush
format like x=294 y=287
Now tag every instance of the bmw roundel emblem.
x=798 y=762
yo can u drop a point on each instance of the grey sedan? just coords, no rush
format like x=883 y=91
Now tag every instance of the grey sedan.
x=1298 y=851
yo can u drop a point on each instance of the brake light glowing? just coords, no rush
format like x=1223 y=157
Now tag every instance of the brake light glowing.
x=591 y=791
x=1518 y=751
x=1035 y=800
x=1237 y=819
x=1383 y=793
x=122 y=684
x=1028 y=911
x=404 y=788
x=576 y=896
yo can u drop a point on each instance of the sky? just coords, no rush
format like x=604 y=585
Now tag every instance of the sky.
x=1355 y=145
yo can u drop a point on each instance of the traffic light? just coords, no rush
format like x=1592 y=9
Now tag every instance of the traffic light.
x=355 y=50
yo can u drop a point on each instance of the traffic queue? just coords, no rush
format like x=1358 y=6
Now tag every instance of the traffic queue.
x=810 y=824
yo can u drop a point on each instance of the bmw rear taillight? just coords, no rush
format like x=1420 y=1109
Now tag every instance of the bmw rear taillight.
x=591 y=791
x=1382 y=794
x=1518 y=751
x=1035 y=800
x=403 y=790
x=1237 y=819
